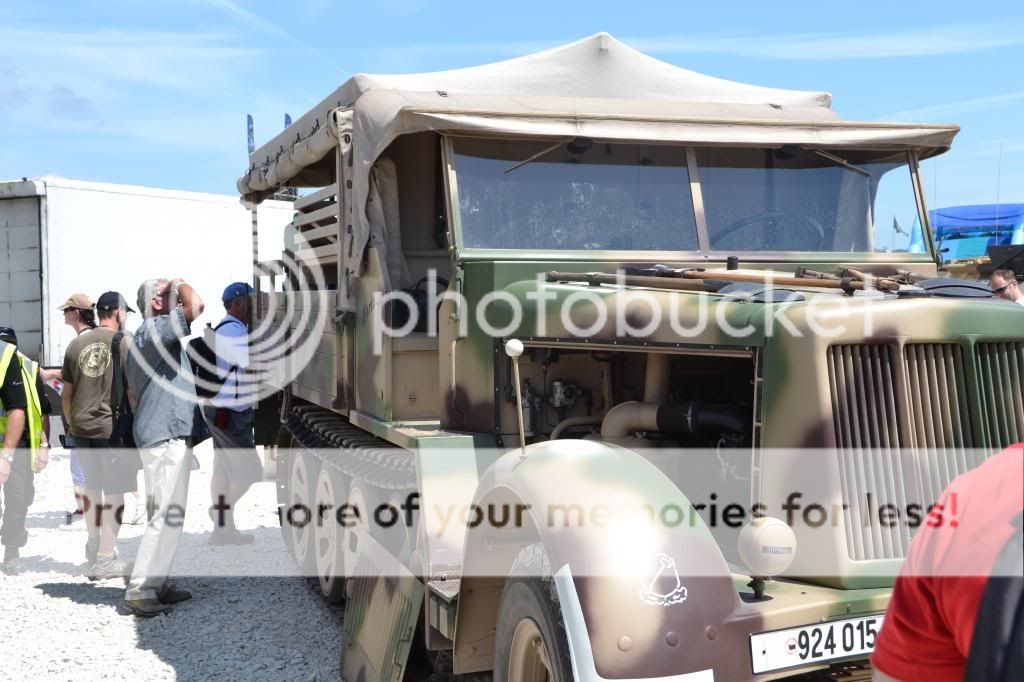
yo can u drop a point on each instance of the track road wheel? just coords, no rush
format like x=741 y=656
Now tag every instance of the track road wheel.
x=300 y=513
x=329 y=556
x=362 y=500
x=284 y=465
x=530 y=643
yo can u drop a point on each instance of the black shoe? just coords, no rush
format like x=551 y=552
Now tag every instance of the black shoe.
x=230 y=536
x=74 y=521
x=146 y=608
x=168 y=594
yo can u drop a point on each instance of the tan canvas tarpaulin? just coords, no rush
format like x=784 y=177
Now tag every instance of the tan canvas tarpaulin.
x=596 y=87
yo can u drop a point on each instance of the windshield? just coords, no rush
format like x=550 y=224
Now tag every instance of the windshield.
x=796 y=199
x=576 y=195
x=581 y=194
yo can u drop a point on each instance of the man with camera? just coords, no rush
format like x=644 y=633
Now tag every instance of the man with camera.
x=164 y=403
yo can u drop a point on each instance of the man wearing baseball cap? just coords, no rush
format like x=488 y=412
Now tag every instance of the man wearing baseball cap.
x=88 y=375
x=79 y=315
x=236 y=466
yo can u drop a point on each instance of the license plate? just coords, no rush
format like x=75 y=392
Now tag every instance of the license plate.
x=814 y=643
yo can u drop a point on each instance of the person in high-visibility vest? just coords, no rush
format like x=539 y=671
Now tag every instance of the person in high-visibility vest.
x=26 y=429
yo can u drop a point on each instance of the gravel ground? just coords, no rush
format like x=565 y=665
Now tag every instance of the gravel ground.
x=250 y=617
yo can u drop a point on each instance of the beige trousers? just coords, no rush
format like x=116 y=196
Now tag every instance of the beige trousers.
x=167 y=466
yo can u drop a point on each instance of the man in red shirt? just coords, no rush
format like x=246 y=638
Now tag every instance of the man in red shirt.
x=967 y=553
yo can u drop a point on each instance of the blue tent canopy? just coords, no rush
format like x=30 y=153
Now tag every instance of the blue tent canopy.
x=968 y=231
x=982 y=216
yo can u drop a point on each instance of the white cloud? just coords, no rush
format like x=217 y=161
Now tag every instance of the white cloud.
x=126 y=89
x=952 y=109
x=247 y=18
x=103 y=59
x=924 y=42
x=258 y=24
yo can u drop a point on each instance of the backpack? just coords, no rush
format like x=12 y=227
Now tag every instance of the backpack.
x=203 y=359
x=123 y=421
x=997 y=646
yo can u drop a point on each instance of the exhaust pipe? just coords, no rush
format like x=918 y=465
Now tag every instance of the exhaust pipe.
x=692 y=417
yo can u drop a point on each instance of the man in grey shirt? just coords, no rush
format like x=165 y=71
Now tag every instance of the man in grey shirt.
x=163 y=395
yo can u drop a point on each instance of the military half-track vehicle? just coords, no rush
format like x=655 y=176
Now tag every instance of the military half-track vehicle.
x=583 y=281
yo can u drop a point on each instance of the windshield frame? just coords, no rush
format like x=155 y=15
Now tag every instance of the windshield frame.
x=704 y=253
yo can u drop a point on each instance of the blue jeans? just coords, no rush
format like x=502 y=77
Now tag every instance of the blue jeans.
x=77 y=473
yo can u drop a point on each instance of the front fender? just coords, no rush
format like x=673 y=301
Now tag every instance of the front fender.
x=652 y=585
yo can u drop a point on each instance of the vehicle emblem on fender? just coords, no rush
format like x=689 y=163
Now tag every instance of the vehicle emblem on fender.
x=663 y=587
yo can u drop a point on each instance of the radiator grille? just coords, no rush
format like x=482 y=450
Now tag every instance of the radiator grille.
x=906 y=425
x=937 y=396
x=1000 y=370
x=939 y=429
x=864 y=399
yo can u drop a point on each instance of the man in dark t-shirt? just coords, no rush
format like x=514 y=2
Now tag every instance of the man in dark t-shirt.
x=88 y=375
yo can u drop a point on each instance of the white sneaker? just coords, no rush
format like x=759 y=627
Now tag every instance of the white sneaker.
x=108 y=566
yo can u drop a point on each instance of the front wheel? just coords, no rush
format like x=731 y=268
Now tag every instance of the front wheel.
x=530 y=643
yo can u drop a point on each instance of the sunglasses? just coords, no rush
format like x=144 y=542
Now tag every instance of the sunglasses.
x=1001 y=289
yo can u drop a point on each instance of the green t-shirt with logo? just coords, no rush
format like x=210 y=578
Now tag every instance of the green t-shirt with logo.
x=87 y=367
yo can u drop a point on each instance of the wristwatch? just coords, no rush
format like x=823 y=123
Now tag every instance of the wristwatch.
x=176 y=287
x=7 y=456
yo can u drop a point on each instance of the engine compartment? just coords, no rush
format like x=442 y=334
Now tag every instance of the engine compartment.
x=653 y=399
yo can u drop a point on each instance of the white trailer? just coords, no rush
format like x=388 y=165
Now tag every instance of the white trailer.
x=61 y=236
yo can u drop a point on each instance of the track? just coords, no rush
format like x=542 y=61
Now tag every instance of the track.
x=350 y=450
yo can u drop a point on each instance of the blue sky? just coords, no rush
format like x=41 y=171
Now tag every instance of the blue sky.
x=156 y=93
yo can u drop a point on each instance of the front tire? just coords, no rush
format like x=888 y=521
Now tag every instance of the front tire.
x=530 y=644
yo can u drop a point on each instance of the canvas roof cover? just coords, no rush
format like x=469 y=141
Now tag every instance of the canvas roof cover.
x=596 y=87
x=598 y=84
